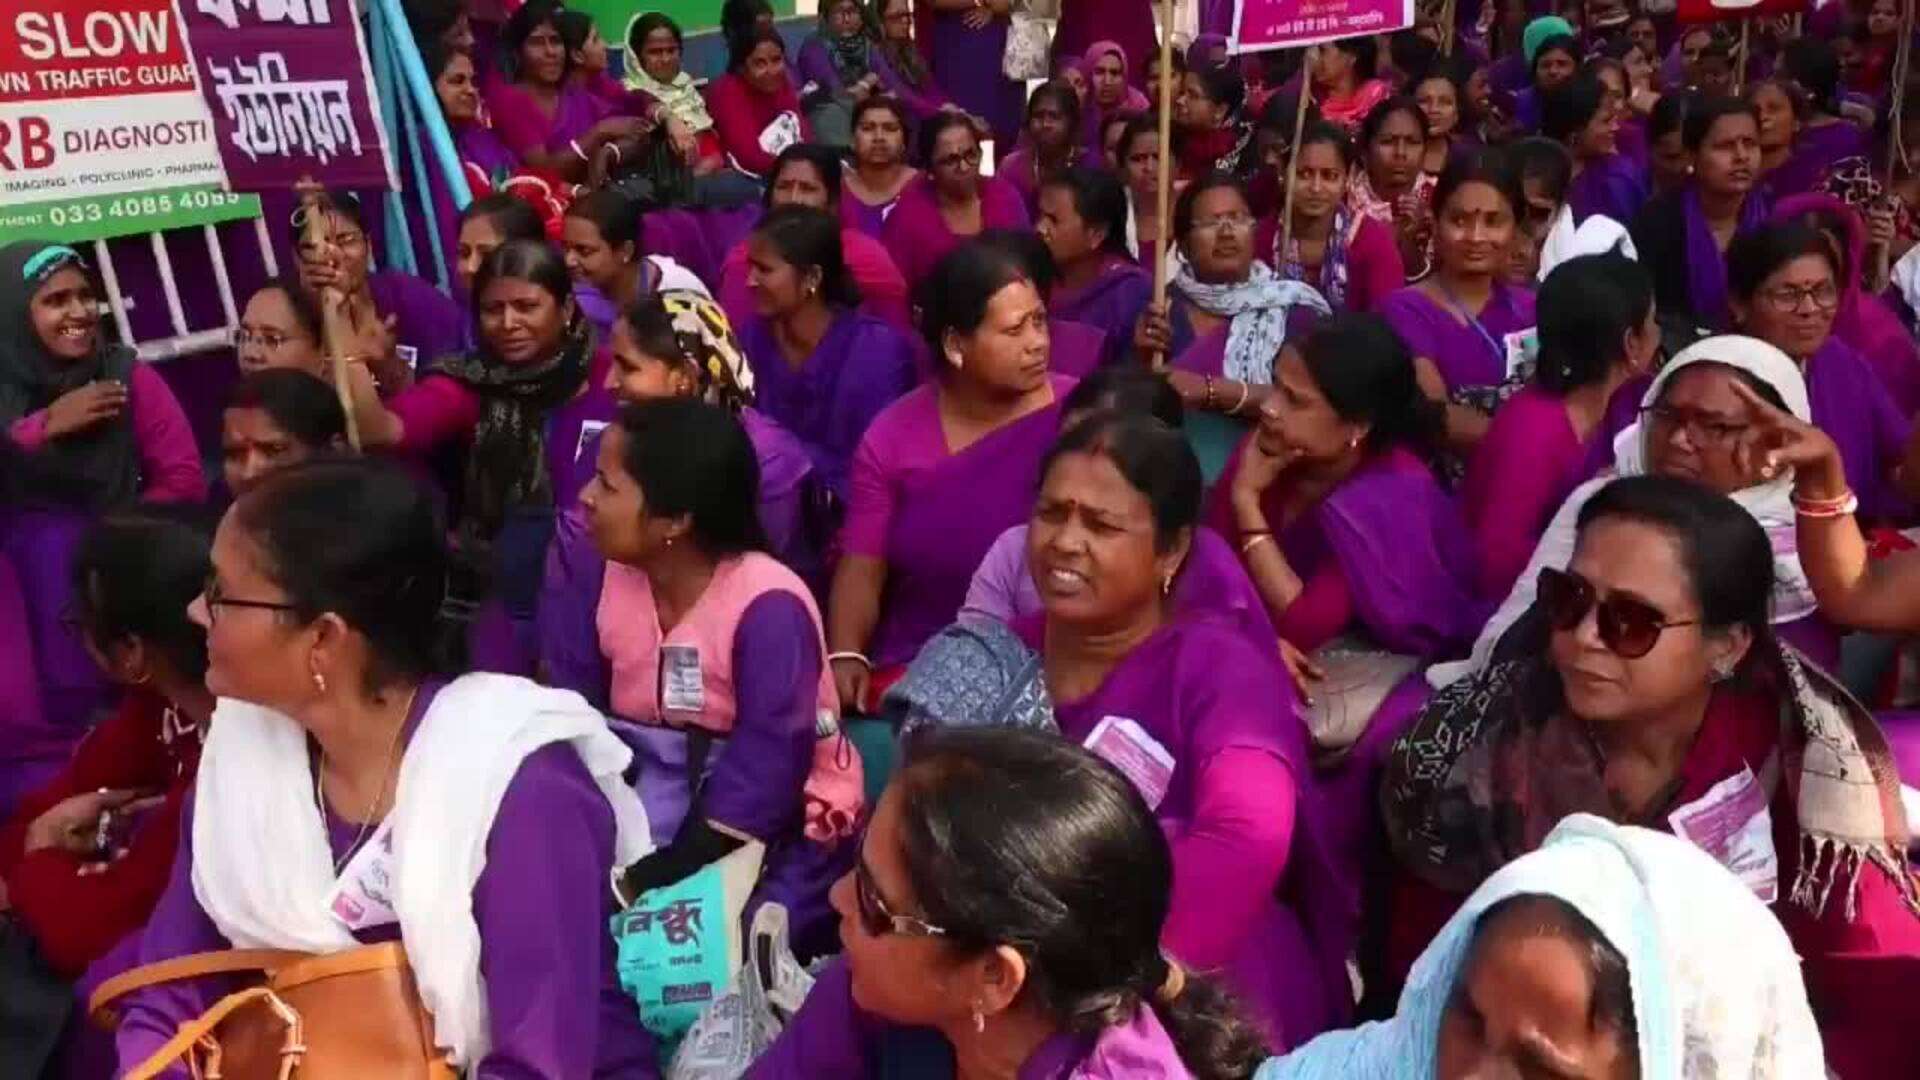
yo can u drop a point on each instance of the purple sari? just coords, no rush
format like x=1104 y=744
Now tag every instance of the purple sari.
x=1112 y=302
x=1706 y=263
x=1470 y=351
x=1816 y=151
x=1852 y=406
x=1611 y=186
x=429 y=324
x=525 y=128
x=945 y=518
x=966 y=64
x=859 y=368
x=1200 y=688
x=39 y=546
x=32 y=751
x=1085 y=25
x=1076 y=348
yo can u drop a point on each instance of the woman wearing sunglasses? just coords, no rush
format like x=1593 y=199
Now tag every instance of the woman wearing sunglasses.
x=1650 y=690
x=1009 y=903
x=1693 y=422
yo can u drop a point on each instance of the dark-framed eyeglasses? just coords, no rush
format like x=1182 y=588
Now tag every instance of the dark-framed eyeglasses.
x=1628 y=627
x=967 y=158
x=216 y=598
x=875 y=916
x=1702 y=429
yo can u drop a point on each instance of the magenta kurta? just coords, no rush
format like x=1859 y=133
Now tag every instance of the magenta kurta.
x=918 y=237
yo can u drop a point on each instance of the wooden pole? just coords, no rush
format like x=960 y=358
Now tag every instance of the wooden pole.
x=1740 y=61
x=1163 y=195
x=1447 y=16
x=318 y=232
x=1293 y=151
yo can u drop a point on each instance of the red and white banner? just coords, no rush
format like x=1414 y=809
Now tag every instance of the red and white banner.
x=1259 y=25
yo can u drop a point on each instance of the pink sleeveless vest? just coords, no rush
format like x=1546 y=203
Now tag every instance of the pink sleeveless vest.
x=684 y=678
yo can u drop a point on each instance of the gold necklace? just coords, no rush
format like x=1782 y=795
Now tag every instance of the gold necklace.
x=320 y=797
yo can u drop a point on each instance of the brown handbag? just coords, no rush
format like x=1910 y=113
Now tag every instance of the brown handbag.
x=338 y=1016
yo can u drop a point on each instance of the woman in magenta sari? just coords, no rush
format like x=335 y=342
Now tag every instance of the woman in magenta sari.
x=1051 y=141
x=1785 y=291
x=1682 y=238
x=485 y=159
x=601 y=238
x=1816 y=140
x=871 y=189
x=945 y=470
x=1580 y=115
x=1255 y=895
x=823 y=370
x=903 y=68
x=964 y=42
x=523 y=405
x=1110 y=91
x=950 y=201
x=810 y=175
x=1462 y=319
x=1351 y=258
x=1863 y=320
x=756 y=108
x=542 y=116
x=1598 y=339
x=1083 y=222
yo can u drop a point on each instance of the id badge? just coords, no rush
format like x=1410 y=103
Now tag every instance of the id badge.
x=362 y=896
x=589 y=431
x=409 y=356
x=1139 y=756
x=1732 y=823
x=681 y=687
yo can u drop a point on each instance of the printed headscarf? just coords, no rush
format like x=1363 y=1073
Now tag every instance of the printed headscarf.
x=707 y=340
x=100 y=466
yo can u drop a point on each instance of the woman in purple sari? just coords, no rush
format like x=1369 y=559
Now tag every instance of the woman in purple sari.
x=1110 y=90
x=1863 y=320
x=1050 y=143
x=1682 y=237
x=523 y=405
x=1362 y=559
x=483 y=157
x=879 y=173
x=409 y=323
x=1785 y=291
x=822 y=369
x=1350 y=257
x=1463 y=320
x=1073 y=348
x=547 y=120
x=1227 y=315
x=1580 y=115
x=601 y=237
x=903 y=69
x=950 y=201
x=1006 y=917
x=1598 y=339
x=1813 y=142
x=322 y=617
x=944 y=470
x=1083 y=222
x=964 y=41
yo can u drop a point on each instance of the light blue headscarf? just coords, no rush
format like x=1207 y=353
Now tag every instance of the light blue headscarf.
x=1717 y=991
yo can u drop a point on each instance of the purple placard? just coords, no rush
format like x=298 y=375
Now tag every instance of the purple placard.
x=290 y=91
x=1283 y=24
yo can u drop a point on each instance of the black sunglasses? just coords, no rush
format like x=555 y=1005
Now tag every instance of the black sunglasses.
x=874 y=915
x=1629 y=628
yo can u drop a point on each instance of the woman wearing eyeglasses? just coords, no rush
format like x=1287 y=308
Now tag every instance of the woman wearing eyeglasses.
x=1863 y=320
x=1784 y=289
x=1650 y=690
x=949 y=201
x=339 y=730
x=280 y=327
x=1226 y=316
x=1009 y=903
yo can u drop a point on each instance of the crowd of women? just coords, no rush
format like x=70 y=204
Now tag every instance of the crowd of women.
x=1460 y=632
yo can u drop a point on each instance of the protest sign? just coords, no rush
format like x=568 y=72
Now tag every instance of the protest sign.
x=102 y=132
x=290 y=90
x=1259 y=25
